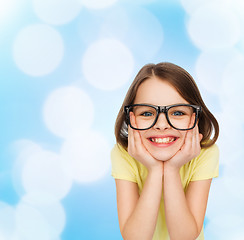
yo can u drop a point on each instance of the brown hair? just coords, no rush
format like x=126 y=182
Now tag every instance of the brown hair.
x=185 y=85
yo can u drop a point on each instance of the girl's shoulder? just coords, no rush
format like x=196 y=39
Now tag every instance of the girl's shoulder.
x=210 y=151
x=119 y=151
x=124 y=166
x=205 y=165
x=120 y=155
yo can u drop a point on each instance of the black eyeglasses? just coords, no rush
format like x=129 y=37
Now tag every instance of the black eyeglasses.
x=179 y=116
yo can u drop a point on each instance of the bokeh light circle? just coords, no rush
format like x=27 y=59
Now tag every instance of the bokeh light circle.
x=42 y=172
x=38 y=49
x=53 y=212
x=107 y=64
x=56 y=12
x=212 y=27
x=85 y=156
x=144 y=40
x=211 y=65
x=227 y=120
x=23 y=149
x=30 y=223
x=192 y=5
x=7 y=221
x=232 y=88
x=97 y=4
x=216 y=228
x=39 y=222
x=67 y=109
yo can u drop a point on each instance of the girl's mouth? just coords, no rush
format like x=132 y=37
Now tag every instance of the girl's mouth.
x=162 y=140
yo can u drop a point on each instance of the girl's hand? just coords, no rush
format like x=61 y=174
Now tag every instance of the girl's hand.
x=190 y=149
x=137 y=150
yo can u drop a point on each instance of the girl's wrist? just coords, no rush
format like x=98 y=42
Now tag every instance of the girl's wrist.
x=170 y=168
x=156 y=169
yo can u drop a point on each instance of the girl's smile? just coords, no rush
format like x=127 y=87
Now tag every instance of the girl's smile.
x=162 y=141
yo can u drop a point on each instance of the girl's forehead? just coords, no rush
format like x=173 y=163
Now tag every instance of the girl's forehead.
x=158 y=92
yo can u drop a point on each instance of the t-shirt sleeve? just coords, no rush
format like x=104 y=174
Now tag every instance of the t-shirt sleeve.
x=123 y=165
x=206 y=164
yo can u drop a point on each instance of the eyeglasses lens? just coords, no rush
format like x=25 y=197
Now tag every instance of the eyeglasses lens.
x=180 y=117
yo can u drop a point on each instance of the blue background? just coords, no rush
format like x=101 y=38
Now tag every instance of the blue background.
x=50 y=50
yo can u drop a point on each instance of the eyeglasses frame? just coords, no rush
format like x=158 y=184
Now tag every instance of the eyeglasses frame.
x=161 y=109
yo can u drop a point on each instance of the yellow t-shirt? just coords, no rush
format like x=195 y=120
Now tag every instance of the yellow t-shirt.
x=205 y=166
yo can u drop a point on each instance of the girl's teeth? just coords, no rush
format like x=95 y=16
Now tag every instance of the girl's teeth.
x=163 y=140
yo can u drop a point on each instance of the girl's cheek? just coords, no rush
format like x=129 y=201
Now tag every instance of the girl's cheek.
x=182 y=139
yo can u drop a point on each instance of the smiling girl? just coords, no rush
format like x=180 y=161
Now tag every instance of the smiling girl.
x=164 y=159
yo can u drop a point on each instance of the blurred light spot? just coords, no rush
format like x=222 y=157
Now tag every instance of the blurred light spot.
x=234 y=185
x=89 y=25
x=233 y=179
x=56 y=11
x=210 y=67
x=238 y=7
x=144 y=40
x=39 y=198
x=38 y=49
x=108 y=24
x=216 y=200
x=85 y=156
x=192 y=5
x=232 y=88
x=6 y=9
x=7 y=221
x=218 y=224
x=39 y=222
x=143 y=2
x=107 y=64
x=238 y=235
x=229 y=122
x=30 y=223
x=23 y=150
x=213 y=27
x=53 y=212
x=42 y=172
x=97 y=4
x=67 y=109
x=115 y=23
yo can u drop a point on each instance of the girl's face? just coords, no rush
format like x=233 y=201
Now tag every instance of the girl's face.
x=162 y=141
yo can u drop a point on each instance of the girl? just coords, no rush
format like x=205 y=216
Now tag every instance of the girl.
x=164 y=159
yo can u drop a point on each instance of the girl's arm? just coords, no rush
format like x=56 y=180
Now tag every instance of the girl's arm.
x=138 y=214
x=184 y=212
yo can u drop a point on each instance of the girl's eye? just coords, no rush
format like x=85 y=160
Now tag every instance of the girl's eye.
x=178 y=113
x=147 y=114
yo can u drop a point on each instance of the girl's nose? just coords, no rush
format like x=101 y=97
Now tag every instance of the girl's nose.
x=162 y=122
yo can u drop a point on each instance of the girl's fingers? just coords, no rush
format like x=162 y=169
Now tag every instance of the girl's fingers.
x=189 y=135
x=192 y=140
x=130 y=136
x=131 y=142
x=188 y=140
x=196 y=139
x=136 y=135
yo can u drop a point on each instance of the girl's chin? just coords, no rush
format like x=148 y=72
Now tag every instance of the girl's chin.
x=160 y=156
x=163 y=159
x=163 y=154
